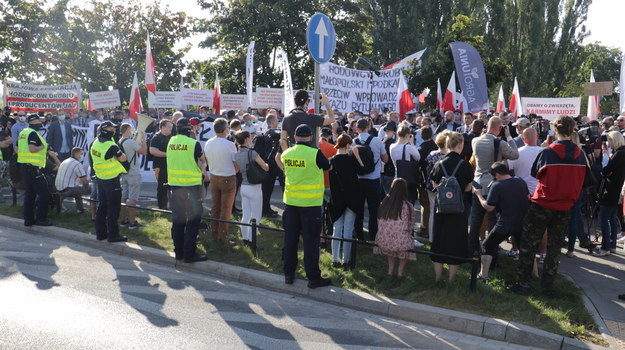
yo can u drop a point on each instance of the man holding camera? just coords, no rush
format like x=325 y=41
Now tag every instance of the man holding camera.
x=488 y=149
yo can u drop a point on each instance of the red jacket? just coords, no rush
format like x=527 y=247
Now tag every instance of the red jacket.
x=560 y=170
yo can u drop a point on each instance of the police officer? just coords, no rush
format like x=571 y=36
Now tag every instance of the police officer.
x=105 y=158
x=31 y=155
x=185 y=161
x=303 y=196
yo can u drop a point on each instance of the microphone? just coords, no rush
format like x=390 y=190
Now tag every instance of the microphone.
x=363 y=62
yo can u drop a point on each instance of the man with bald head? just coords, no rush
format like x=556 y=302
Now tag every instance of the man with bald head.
x=448 y=123
x=488 y=149
x=527 y=155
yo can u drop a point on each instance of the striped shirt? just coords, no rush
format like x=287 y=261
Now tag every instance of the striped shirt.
x=69 y=174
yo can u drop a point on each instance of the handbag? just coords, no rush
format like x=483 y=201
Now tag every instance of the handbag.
x=408 y=169
x=255 y=174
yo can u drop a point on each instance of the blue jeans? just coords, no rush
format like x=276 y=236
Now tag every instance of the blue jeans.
x=576 y=226
x=343 y=228
x=609 y=226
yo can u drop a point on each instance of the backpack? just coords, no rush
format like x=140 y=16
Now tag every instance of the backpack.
x=262 y=145
x=449 y=194
x=127 y=162
x=366 y=156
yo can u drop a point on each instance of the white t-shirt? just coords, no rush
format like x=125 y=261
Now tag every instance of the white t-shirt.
x=69 y=174
x=397 y=149
x=523 y=166
x=219 y=153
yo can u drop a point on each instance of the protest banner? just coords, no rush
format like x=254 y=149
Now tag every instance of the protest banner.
x=104 y=99
x=47 y=98
x=165 y=99
x=551 y=108
x=196 y=97
x=233 y=101
x=354 y=90
x=269 y=97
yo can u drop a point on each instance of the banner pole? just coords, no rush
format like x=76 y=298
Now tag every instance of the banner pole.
x=317 y=89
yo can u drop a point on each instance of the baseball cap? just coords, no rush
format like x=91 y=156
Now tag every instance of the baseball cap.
x=522 y=122
x=303 y=131
x=34 y=117
x=107 y=124
x=194 y=121
x=183 y=123
x=390 y=126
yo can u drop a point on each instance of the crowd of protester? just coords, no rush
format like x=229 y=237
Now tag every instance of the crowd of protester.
x=527 y=180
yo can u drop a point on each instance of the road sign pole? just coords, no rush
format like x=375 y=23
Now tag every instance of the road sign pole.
x=317 y=89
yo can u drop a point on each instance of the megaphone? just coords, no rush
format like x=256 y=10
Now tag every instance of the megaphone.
x=143 y=121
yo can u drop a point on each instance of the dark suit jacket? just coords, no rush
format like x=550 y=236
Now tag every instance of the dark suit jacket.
x=54 y=136
x=443 y=126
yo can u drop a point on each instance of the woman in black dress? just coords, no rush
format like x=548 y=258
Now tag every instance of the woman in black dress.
x=450 y=230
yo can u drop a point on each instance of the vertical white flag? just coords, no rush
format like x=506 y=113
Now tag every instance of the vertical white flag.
x=621 y=87
x=249 y=74
x=289 y=102
x=593 y=101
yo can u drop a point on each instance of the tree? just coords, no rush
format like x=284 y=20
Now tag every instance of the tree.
x=274 y=24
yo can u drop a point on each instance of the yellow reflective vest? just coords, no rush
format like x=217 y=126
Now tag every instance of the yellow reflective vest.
x=182 y=169
x=303 y=179
x=105 y=169
x=24 y=155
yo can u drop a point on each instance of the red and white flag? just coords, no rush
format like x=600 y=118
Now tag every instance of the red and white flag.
x=449 y=101
x=439 y=96
x=135 y=100
x=515 y=107
x=150 y=82
x=404 y=62
x=405 y=101
x=217 y=96
x=462 y=104
x=501 y=103
x=593 y=101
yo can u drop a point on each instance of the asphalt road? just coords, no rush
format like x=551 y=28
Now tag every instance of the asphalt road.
x=56 y=295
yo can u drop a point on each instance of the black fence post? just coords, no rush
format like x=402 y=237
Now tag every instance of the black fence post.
x=254 y=229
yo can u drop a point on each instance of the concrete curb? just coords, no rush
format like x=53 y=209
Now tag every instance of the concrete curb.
x=496 y=329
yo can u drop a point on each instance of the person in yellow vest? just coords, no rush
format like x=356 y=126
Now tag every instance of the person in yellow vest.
x=31 y=155
x=185 y=169
x=303 y=196
x=105 y=158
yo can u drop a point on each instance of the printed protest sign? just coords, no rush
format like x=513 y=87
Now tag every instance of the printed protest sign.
x=551 y=108
x=47 y=98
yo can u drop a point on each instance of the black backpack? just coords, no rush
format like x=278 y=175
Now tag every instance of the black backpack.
x=449 y=198
x=262 y=145
x=366 y=156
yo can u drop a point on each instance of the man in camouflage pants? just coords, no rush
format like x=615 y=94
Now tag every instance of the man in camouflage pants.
x=560 y=170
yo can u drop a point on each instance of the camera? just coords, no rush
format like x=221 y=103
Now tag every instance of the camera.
x=588 y=134
x=542 y=126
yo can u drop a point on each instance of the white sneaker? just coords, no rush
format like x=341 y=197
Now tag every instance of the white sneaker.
x=418 y=244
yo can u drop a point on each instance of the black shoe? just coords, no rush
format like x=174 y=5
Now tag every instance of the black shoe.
x=288 y=279
x=203 y=226
x=118 y=239
x=587 y=245
x=337 y=264
x=28 y=223
x=237 y=211
x=519 y=288
x=622 y=296
x=271 y=214
x=196 y=258
x=322 y=282
x=43 y=223
x=101 y=238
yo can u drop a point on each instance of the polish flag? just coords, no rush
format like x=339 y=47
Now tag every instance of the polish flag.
x=463 y=105
x=217 y=96
x=449 y=101
x=593 y=101
x=150 y=83
x=439 y=96
x=515 y=107
x=501 y=103
x=135 y=100
x=403 y=63
x=405 y=101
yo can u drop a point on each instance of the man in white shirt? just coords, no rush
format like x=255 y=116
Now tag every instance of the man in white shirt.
x=71 y=179
x=131 y=181
x=527 y=155
x=219 y=153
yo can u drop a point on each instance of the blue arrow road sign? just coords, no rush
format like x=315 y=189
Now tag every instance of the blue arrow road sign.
x=321 y=38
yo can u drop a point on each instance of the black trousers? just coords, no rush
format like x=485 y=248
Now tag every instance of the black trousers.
x=307 y=222
x=372 y=192
x=267 y=188
x=110 y=194
x=475 y=222
x=186 y=209
x=37 y=194
x=161 y=189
